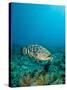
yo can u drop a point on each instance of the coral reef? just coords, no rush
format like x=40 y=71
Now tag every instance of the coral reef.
x=29 y=72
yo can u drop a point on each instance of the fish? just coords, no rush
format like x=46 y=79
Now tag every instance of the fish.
x=37 y=52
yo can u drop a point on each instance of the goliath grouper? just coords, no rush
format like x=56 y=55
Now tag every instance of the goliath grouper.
x=36 y=51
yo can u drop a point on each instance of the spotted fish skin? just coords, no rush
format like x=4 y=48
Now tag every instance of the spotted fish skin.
x=37 y=51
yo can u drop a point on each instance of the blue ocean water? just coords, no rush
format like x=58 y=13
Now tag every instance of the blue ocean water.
x=42 y=25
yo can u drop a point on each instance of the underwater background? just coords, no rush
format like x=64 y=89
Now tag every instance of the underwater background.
x=43 y=25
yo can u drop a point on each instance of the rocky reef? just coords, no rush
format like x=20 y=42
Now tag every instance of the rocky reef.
x=29 y=72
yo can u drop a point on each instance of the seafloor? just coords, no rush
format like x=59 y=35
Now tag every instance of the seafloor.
x=29 y=72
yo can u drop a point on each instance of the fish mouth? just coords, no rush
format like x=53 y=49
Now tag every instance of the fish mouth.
x=49 y=57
